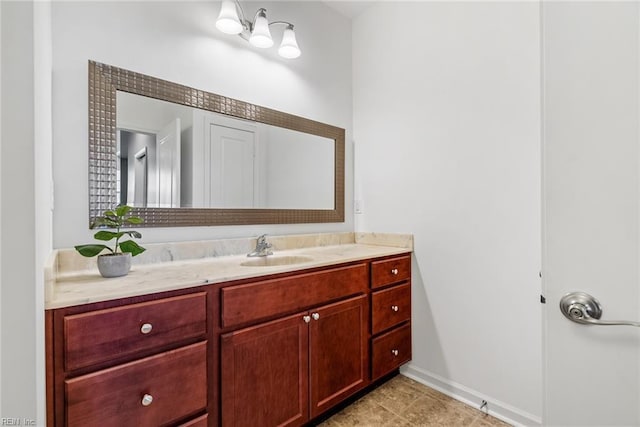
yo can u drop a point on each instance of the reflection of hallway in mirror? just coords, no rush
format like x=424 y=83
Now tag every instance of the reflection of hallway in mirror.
x=138 y=177
x=150 y=166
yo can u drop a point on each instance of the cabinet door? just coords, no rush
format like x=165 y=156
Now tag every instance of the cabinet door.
x=265 y=374
x=338 y=352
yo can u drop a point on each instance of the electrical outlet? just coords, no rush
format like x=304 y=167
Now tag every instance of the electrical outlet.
x=358 y=206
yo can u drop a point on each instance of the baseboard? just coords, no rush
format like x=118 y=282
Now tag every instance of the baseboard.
x=496 y=408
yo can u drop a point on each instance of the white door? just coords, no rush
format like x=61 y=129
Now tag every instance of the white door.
x=231 y=152
x=591 y=190
x=140 y=178
x=168 y=163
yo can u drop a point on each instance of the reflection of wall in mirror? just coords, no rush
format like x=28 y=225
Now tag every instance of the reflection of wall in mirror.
x=306 y=157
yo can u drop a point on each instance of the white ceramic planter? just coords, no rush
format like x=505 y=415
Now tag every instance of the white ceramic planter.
x=114 y=265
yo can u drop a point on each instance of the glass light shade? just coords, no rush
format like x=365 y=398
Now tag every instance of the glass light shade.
x=261 y=36
x=228 y=21
x=289 y=46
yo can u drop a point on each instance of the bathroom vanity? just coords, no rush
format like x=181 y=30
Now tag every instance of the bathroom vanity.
x=211 y=341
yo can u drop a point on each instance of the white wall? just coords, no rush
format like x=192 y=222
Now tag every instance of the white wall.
x=447 y=137
x=178 y=41
x=25 y=216
x=150 y=115
x=43 y=172
x=1 y=200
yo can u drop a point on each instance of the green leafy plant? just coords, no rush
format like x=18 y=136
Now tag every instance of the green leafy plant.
x=114 y=219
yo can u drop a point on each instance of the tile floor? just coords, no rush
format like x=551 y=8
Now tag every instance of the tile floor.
x=402 y=402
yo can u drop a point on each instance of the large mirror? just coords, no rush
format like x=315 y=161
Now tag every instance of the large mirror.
x=185 y=157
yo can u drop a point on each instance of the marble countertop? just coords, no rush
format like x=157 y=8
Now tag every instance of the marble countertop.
x=87 y=286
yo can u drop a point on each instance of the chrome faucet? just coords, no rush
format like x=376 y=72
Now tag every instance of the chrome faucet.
x=262 y=247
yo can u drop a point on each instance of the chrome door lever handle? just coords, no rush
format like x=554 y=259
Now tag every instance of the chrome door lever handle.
x=582 y=308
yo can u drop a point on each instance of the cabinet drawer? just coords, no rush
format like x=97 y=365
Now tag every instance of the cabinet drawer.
x=390 y=271
x=390 y=307
x=391 y=350
x=268 y=298
x=115 y=333
x=148 y=392
x=202 y=421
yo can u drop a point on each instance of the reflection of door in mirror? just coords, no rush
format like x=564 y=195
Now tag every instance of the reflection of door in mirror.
x=140 y=177
x=232 y=153
x=224 y=172
x=168 y=147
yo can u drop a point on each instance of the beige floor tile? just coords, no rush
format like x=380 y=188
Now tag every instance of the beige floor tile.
x=403 y=402
x=397 y=394
x=428 y=411
x=331 y=422
x=408 y=381
x=398 y=422
x=421 y=388
x=364 y=412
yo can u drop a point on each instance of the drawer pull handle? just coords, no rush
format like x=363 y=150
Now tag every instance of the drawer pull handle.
x=147 y=400
x=394 y=352
x=394 y=271
x=315 y=316
x=146 y=328
x=395 y=308
x=306 y=319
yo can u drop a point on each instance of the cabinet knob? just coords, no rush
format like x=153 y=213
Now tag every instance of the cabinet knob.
x=146 y=328
x=306 y=319
x=395 y=308
x=394 y=352
x=315 y=316
x=147 y=400
x=394 y=271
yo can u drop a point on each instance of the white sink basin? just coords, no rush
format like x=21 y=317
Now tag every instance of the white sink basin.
x=272 y=260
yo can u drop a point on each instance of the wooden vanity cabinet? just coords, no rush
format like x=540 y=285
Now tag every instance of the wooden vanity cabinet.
x=278 y=350
x=390 y=314
x=338 y=353
x=287 y=371
x=265 y=374
x=142 y=361
x=284 y=372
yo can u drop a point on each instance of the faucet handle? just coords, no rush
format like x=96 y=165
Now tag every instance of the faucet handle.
x=262 y=238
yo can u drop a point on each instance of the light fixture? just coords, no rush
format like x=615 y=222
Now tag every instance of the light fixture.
x=260 y=35
x=231 y=20
x=289 y=46
x=228 y=21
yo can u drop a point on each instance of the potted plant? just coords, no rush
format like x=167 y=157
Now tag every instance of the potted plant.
x=118 y=261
